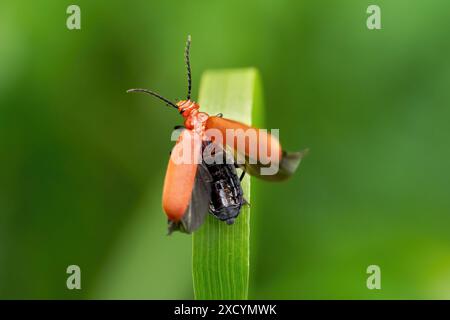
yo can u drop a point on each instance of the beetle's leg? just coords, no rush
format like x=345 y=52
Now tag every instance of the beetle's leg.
x=240 y=166
x=242 y=174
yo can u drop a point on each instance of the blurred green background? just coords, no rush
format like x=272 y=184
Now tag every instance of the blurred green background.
x=82 y=163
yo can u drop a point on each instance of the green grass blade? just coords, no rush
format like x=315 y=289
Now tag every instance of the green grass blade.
x=221 y=253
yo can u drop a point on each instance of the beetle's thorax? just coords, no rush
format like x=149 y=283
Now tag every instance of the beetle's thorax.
x=194 y=120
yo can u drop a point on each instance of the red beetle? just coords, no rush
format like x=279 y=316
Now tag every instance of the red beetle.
x=192 y=188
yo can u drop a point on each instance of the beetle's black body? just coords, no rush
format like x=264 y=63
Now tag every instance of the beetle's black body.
x=227 y=196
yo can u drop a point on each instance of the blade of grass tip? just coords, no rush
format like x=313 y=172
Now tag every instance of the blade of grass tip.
x=221 y=252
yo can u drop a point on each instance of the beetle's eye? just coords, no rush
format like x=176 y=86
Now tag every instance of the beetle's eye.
x=182 y=111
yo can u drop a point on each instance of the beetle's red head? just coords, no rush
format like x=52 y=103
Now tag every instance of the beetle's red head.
x=185 y=107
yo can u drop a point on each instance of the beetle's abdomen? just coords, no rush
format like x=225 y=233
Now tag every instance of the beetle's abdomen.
x=226 y=192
